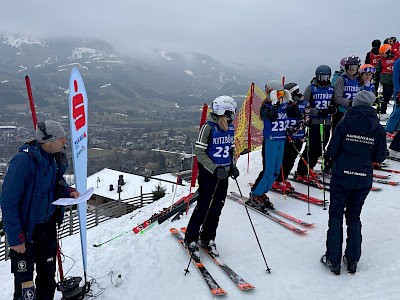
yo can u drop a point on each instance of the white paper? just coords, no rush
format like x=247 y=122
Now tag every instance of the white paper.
x=70 y=201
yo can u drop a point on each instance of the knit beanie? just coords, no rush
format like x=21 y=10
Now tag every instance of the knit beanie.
x=49 y=131
x=365 y=98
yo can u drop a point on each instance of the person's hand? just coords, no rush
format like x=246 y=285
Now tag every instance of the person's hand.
x=220 y=173
x=74 y=194
x=19 y=248
x=323 y=113
x=290 y=131
x=331 y=109
x=234 y=172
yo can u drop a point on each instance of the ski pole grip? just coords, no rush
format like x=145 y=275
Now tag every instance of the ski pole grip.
x=321 y=129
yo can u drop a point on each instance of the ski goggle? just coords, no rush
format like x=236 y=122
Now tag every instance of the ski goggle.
x=323 y=77
x=353 y=68
x=368 y=70
x=280 y=94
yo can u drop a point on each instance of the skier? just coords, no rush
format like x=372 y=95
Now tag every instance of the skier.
x=373 y=58
x=215 y=152
x=358 y=141
x=277 y=107
x=346 y=86
x=366 y=71
x=393 y=124
x=395 y=46
x=296 y=131
x=33 y=181
x=384 y=70
x=319 y=94
x=340 y=71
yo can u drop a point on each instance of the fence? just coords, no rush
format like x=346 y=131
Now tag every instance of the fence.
x=95 y=214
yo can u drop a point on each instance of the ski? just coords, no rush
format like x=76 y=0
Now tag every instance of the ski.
x=215 y=289
x=181 y=208
x=239 y=281
x=278 y=212
x=166 y=212
x=393 y=158
x=380 y=168
x=326 y=184
x=268 y=215
x=298 y=196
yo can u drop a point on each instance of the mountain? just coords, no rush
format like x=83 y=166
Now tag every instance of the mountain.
x=112 y=80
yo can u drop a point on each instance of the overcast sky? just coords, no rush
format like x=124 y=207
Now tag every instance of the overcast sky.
x=286 y=36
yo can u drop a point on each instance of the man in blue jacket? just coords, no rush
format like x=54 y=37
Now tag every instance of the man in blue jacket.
x=33 y=181
x=357 y=142
x=393 y=124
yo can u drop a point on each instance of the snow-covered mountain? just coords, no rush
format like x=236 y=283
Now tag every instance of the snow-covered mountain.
x=152 y=264
x=137 y=81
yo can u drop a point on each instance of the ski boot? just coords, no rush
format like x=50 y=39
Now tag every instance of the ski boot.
x=193 y=249
x=284 y=186
x=210 y=246
x=335 y=269
x=257 y=202
x=351 y=265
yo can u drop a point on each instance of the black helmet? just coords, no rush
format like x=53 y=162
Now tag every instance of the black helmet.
x=353 y=60
x=376 y=43
x=323 y=74
x=293 y=88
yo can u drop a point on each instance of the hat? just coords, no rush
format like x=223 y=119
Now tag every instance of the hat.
x=364 y=98
x=376 y=43
x=274 y=85
x=49 y=131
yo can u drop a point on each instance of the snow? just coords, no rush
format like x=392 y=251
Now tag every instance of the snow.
x=164 y=54
x=190 y=73
x=152 y=264
x=18 y=41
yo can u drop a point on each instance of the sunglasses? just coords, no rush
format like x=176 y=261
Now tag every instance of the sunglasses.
x=368 y=70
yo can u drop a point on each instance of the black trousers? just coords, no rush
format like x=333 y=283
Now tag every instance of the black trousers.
x=313 y=148
x=289 y=156
x=395 y=144
x=348 y=202
x=42 y=253
x=387 y=93
x=336 y=119
x=210 y=189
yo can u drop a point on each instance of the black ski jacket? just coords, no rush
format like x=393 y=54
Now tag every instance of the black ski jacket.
x=358 y=140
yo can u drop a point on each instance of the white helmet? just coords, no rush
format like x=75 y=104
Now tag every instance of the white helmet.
x=222 y=104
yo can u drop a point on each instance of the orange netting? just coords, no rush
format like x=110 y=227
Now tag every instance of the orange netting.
x=248 y=124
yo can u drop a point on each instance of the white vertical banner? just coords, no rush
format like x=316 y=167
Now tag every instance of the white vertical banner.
x=78 y=112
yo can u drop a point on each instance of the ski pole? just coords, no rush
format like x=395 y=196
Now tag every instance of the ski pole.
x=254 y=230
x=308 y=170
x=205 y=218
x=322 y=136
x=313 y=175
x=177 y=181
x=114 y=238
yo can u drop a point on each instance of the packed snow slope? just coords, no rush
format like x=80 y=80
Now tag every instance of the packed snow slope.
x=152 y=264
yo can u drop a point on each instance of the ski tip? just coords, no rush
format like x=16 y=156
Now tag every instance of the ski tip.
x=245 y=286
x=173 y=230
x=218 y=292
x=183 y=229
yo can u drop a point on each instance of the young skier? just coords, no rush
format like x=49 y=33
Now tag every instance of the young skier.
x=373 y=58
x=393 y=124
x=275 y=111
x=358 y=141
x=384 y=70
x=346 y=86
x=340 y=71
x=215 y=152
x=319 y=94
x=366 y=72
x=296 y=132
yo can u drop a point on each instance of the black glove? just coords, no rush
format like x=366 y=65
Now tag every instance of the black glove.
x=290 y=131
x=323 y=113
x=350 y=103
x=234 y=172
x=220 y=172
x=331 y=109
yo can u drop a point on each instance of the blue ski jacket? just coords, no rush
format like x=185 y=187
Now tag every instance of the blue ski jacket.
x=21 y=201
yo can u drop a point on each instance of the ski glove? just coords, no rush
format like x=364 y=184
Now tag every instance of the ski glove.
x=323 y=113
x=234 y=172
x=220 y=173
